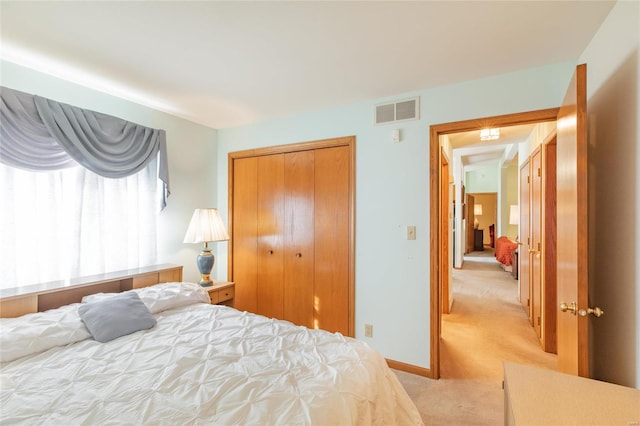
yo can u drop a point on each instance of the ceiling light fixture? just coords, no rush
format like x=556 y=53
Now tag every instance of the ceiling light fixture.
x=489 y=134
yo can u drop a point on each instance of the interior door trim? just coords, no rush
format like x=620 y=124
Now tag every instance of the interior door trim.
x=435 y=275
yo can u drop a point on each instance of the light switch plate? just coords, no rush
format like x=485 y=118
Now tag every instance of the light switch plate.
x=368 y=330
x=411 y=232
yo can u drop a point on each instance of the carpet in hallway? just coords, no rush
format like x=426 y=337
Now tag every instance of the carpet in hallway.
x=486 y=326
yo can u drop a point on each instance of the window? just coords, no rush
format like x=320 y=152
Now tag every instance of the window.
x=68 y=223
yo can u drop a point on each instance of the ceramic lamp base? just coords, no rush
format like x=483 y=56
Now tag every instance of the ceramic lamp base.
x=205 y=263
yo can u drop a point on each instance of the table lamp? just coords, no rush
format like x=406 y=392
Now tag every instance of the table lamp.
x=477 y=211
x=206 y=226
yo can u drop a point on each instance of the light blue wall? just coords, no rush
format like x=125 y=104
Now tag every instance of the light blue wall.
x=191 y=150
x=392 y=191
x=482 y=180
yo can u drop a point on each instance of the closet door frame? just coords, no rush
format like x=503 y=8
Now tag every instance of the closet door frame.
x=348 y=141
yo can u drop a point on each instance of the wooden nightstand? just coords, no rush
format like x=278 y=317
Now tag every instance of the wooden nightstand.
x=222 y=292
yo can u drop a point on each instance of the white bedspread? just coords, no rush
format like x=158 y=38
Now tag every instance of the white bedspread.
x=207 y=364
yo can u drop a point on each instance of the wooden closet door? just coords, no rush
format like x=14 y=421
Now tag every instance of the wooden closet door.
x=292 y=249
x=298 y=237
x=270 y=227
x=549 y=280
x=536 y=241
x=525 y=237
x=332 y=225
x=245 y=231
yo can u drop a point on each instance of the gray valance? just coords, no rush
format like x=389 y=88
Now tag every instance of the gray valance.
x=40 y=134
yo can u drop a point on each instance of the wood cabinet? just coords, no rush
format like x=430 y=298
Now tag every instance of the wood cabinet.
x=161 y=276
x=41 y=297
x=292 y=230
x=221 y=293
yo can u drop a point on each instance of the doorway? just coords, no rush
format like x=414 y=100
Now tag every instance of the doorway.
x=436 y=220
x=486 y=219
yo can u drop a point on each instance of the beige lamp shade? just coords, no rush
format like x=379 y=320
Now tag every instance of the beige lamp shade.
x=205 y=226
x=514 y=215
x=477 y=211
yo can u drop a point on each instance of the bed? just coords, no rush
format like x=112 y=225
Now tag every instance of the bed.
x=504 y=250
x=197 y=364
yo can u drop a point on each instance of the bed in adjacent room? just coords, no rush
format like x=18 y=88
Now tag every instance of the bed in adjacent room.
x=190 y=363
x=504 y=250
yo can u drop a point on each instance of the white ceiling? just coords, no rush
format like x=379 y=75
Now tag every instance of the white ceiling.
x=225 y=64
x=476 y=154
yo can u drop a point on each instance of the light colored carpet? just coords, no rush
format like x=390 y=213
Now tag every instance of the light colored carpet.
x=486 y=326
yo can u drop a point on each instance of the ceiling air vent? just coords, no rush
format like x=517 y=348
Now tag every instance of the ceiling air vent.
x=407 y=109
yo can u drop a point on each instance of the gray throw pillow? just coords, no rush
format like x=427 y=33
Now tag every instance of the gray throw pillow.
x=116 y=316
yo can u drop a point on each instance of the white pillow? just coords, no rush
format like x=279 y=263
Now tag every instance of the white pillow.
x=40 y=331
x=161 y=297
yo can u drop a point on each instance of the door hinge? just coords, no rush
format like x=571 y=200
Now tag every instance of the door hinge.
x=528 y=241
x=539 y=172
x=528 y=301
x=538 y=320
x=527 y=179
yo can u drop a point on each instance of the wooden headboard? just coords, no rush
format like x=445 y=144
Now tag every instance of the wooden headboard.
x=42 y=297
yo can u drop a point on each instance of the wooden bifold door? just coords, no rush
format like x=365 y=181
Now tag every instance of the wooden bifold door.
x=292 y=230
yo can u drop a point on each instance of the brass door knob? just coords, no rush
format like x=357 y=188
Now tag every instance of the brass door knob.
x=572 y=307
x=298 y=254
x=596 y=312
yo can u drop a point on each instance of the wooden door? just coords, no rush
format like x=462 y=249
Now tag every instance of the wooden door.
x=524 y=238
x=471 y=236
x=332 y=295
x=244 y=228
x=549 y=278
x=292 y=248
x=299 y=237
x=572 y=238
x=535 y=225
x=270 y=215
x=445 y=232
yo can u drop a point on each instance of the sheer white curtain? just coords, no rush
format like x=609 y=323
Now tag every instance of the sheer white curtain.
x=68 y=223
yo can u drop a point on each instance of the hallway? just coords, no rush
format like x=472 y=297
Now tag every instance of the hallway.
x=486 y=326
x=488 y=318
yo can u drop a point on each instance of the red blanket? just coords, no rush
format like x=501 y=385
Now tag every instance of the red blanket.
x=504 y=250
